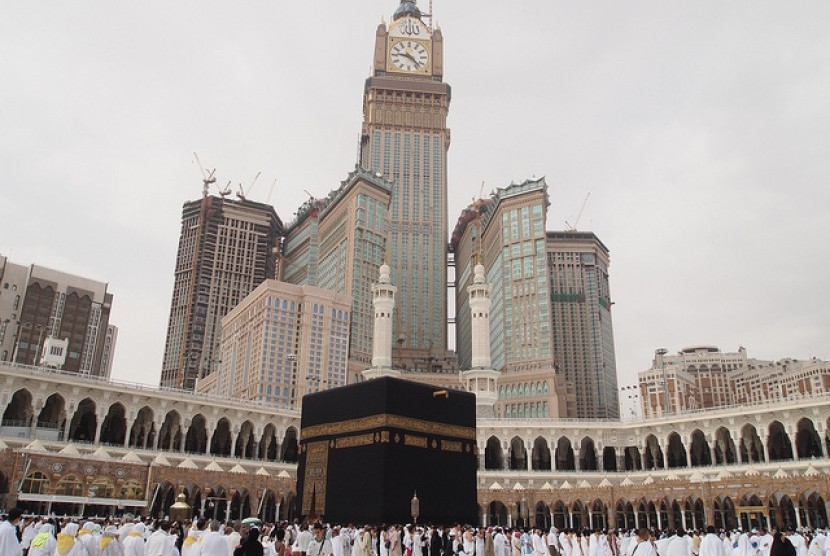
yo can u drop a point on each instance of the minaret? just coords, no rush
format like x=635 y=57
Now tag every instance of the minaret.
x=383 y=300
x=479 y=294
x=481 y=379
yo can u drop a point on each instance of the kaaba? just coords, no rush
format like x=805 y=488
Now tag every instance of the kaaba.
x=367 y=448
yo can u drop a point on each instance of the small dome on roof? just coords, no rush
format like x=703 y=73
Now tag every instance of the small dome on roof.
x=407 y=8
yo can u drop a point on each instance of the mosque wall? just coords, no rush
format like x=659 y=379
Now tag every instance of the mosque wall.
x=80 y=444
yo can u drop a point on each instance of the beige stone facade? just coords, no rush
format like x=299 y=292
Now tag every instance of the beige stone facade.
x=121 y=447
x=703 y=377
x=281 y=342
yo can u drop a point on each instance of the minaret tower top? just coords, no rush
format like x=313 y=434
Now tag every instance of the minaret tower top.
x=383 y=299
x=481 y=380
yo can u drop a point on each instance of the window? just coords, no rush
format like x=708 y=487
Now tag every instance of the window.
x=35 y=483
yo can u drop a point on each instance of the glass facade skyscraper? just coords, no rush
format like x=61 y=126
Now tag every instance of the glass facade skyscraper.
x=405 y=138
x=583 y=336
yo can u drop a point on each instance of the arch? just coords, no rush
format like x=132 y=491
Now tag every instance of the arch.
x=268 y=513
x=517 y=454
x=752 y=449
x=598 y=515
x=268 y=445
x=779 y=446
x=725 y=518
x=114 y=427
x=671 y=514
x=220 y=504
x=587 y=455
x=493 y=457
x=542 y=516
x=220 y=443
x=240 y=505
x=699 y=450
x=609 y=459
x=170 y=433
x=166 y=498
x=564 y=455
x=653 y=454
x=579 y=515
x=143 y=429
x=196 y=439
x=69 y=485
x=783 y=513
x=807 y=441
x=53 y=414
x=625 y=515
x=540 y=457
x=497 y=513
x=695 y=516
x=245 y=441
x=289 y=451
x=560 y=515
x=19 y=411
x=816 y=511
x=633 y=461
x=725 y=452
x=84 y=422
x=676 y=455
x=194 y=497
x=748 y=521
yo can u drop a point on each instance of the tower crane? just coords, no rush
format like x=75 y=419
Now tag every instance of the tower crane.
x=578 y=216
x=207 y=178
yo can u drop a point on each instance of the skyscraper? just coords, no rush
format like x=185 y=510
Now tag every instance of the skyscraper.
x=281 y=342
x=39 y=305
x=550 y=321
x=405 y=137
x=508 y=230
x=226 y=249
x=338 y=243
x=583 y=336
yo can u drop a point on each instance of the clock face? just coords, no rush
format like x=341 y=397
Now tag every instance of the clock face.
x=409 y=55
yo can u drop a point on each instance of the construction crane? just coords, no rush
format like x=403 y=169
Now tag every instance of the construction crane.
x=578 y=216
x=242 y=194
x=207 y=178
x=227 y=191
x=273 y=185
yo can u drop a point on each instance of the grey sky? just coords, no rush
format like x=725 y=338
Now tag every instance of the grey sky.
x=700 y=128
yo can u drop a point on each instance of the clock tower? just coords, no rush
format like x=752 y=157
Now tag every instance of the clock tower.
x=405 y=138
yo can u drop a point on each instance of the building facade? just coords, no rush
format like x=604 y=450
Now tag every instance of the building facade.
x=74 y=444
x=582 y=332
x=506 y=233
x=405 y=138
x=704 y=377
x=40 y=306
x=226 y=249
x=339 y=244
x=281 y=342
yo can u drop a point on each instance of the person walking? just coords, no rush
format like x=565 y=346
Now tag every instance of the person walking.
x=319 y=545
x=8 y=534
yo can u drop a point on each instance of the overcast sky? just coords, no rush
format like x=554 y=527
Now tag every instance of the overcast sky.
x=701 y=130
